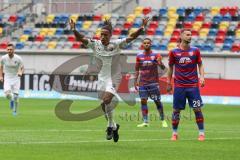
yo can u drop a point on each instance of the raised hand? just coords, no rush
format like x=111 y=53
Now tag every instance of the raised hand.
x=145 y=21
x=72 y=25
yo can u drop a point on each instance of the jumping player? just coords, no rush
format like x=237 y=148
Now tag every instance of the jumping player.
x=186 y=60
x=147 y=64
x=105 y=49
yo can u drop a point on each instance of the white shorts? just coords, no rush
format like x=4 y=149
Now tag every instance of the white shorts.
x=12 y=85
x=108 y=86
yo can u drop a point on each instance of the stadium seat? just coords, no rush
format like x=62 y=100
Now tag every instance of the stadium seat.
x=197 y=25
x=235 y=47
x=233 y=10
x=43 y=31
x=59 y=31
x=227 y=47
x=174 y=39
x=19 y=45
x=137 y=24
x=172 y=11
x=24 y=38
x=219 y=39
x=215 y=25
x=206 y=25
x=231 y=32
x=13 y=18
x=106 y=16
x=52 y=45
x=221 y=32
x=215 y=10
x=1 y=30
x=146 y=10
x=217 y=18
x=176 y=32
x=97 y=17
x=207 y=47
x=171 y=46
x=195 y=33
x=116 y=31
x=127 y=25
x=224 y=10
x=138 y=10
x=223 y=25
x=50 y=18
x=86 y=24
x=27 y=31
x=71 y=38
x=190 y=18
x=21 y=19
x=187 y=25
x=150 y=31
x=200 y=17
x=163 y=11
x=3 y=45
x=181 y=11
x=162 y=47
x=76 y=45
x=39 y=38
x=153 y=24
x=159 y=32
x=74 y=17
x=51 y=31
x=203 y=32
x=197 y=10
x=168 y=32
x=64 y=18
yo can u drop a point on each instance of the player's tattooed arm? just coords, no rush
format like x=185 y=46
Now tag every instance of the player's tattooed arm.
x=80 y=37
x=135 y=34
x=201 y=72
x=1 y=73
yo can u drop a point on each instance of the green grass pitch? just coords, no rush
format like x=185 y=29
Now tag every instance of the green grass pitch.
x=37 y=134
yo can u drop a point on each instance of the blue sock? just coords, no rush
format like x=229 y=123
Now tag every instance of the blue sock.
x=160 y=109
x=144 y=108
x=175 y=120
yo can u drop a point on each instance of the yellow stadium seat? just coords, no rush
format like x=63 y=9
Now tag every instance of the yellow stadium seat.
x=74 y=17
x=24 y=38
x=106 y=16
x=87 y=24
x=172 y=10
x=131 y=17
x=171 y=46
x=168 y=32
x=203 y=32
x=98 y=32
x=44 y=31
x=51 y=31
x=171 y=24
x=224 y=25
x=1 y=30
x=238 y=33
x=50 y=18
x=52 y=45
x=130 y=20
x=215 y=11
x=132 y=30
x=173 y=16
x=138 y=9
x=197 y=25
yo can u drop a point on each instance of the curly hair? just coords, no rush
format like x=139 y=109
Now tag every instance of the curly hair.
x=107 y=25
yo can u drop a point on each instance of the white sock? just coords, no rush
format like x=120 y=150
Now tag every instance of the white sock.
x=15 y=102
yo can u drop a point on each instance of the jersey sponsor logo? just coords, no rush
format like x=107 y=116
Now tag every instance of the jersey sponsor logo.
x=190 y=53
x=185 y=60
x=147 y=63
x=152 y=57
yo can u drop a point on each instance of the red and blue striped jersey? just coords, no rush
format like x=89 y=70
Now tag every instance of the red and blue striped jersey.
x=147 y=65
x=185 y=63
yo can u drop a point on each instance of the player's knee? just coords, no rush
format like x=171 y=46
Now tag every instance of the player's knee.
x=143 y=101
x=107 y=100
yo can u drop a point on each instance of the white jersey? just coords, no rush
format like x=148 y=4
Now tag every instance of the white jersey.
x=11 y=66
x=109 y=71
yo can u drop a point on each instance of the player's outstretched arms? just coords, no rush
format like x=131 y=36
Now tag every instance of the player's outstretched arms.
x=135 y=34
x=80 y=37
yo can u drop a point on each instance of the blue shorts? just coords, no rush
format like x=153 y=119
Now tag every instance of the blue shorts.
x=151 y=91
x=181 y=94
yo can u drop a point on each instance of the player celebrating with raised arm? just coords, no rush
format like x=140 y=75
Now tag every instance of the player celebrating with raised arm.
x=12 y=67
x=148 y=86
x=104 y=49
x=185 y=60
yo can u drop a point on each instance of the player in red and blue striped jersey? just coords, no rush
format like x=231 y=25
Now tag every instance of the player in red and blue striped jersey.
x=147 y=64
x=185 y=60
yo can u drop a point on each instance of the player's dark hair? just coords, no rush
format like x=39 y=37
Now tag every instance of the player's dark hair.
x=147 y=39
x=107 y=25
x=10 y=45
x=182 y=31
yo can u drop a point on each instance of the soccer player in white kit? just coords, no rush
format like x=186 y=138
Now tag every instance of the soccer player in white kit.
x=11 y=65
x=108 y=80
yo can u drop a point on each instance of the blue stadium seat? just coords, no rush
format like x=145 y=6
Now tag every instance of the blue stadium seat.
x=191 y=17
x=197 y=10
x=200 y=46
x=1 y=17
x=181 y=11
x=21 y=19
x=227 y=47
x=217 y=18
x=229 y=40
x=212 y=32
x=162 y=47
x=79 y=24
x=163 y=11
x=27 y=31
x=159 y=32
x=59 y=31
x=57 y=18
x=227 y=17
x=19 y=45
x=207 y=47
x=137 y=24
x=64 y=18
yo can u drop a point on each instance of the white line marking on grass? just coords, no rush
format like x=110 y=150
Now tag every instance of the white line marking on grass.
x=105 y=141
x=99 y=130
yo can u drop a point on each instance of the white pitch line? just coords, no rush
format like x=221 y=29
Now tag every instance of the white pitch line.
x=105 y=141
x=99 y=130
